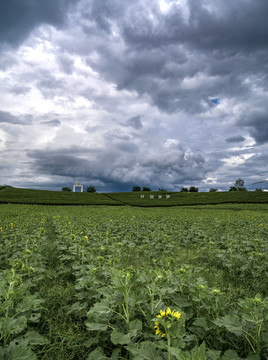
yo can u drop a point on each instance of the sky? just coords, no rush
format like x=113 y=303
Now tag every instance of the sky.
x=119 y=93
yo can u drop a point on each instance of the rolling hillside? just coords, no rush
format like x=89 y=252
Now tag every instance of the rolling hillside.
x=28 y=196
x=45 y=197
x=182 y=198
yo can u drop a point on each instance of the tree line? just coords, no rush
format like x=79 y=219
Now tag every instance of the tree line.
x=184 y=189
x=239 y=185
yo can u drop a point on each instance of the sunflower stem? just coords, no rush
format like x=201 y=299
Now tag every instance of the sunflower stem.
x=169 y=341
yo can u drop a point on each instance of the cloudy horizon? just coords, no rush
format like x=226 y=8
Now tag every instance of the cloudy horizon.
x=163 y=93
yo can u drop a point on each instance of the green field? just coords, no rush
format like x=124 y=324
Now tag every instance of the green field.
x=182 y=198
x=45 y=197
x=97 y=282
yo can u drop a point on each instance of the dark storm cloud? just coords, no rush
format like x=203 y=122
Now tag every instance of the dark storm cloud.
x=19 y=18
x=6 y=117
x=121 y=163
x=258 y=126
x=235 y=139
x=165 y=55
x=72 y=163
x=103 y=11
x=60 y=164
x=224 y=25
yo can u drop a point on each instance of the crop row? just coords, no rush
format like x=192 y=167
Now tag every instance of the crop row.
x=137 y=283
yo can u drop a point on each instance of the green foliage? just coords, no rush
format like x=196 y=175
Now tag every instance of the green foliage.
x=233 y=188
x=136 y=188
x=91 y=189
x=239 y=185
x=2 y=187
x=146 y=188
x=193 y=189
x=90 y=282
x=66 y=188
x=184 y=189
x=213 y=190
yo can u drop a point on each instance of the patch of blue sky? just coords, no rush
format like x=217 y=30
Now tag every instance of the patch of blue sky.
x=215 y=101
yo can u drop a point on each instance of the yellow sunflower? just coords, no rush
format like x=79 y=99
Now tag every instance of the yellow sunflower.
x=166 y=319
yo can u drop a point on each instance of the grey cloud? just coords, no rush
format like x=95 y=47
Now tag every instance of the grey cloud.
x=135 y=122
x=116 y=136
x=253 y=169
x=92 y=129
x=19 y=18
x=259 y=128
x=55 y=122
x=74 y=162
x=7 y=59
x=160 y=53
x=66 y=64
x=127 y=147
x=225 y=26
x=235 y=139
x=257 y=123
x=6 y=117
x=48 y=83
x=18 y=90
x=101 y=11
x=121 y=163
x=60 y=164
x=230 y=25
x=119 y=142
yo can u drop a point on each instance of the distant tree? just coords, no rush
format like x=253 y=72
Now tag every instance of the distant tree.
x=162 y=189
x=91 y=189
x=213 y=190
x=193 y=189
x=239 y=185
x=233 y=188
x=184 y=189
x=136 y=188
x=259 y=189
x=2 y=187
x=146 y=188
x=66 y=188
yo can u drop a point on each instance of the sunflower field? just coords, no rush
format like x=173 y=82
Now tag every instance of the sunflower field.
x=99 y=282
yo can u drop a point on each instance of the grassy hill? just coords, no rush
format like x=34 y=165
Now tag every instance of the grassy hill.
x=45 y=197
x=182 y=198
x=28 y=196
